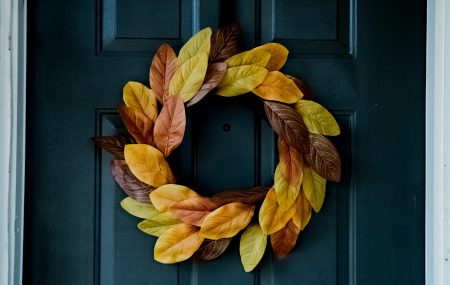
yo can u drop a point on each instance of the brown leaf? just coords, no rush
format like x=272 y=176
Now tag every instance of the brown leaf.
x=170 y=125
x=249 y=196
x=225 y=42
x=132 y=186
x=287 y=124
x=137 y=124
x=285 y=239
x=211 y=249
x=113 y=144
x=164 y=65
x=323 y=157
x=214 y=74
x=308 y=94
x=194 y=210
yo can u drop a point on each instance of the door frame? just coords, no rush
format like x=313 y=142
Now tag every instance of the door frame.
x=12 y=140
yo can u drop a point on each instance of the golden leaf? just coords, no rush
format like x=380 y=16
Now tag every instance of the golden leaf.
x=197 y=44
x=313 y=186
x=279 y=55
x=139 y=209
x=285 y=239
x=251 y=57
x=303 y=211
x=177 y=244
x=167 y=195
x=148 y=164
x=277 y=87
x=286 y=193
x=227 y=221
x=252 y=247
x=188 y=79
x=137 y=95
x=241 y=79
x=317 y=119
x=164 y=65
x=158 y=224
x=193 y=211
x=271 y=217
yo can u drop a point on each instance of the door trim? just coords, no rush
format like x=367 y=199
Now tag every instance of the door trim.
x=437 y=216
x=12 y=137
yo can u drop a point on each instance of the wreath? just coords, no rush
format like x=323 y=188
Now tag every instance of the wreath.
x=186 y=223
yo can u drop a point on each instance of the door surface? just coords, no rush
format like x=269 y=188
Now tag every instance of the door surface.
x=365 y=62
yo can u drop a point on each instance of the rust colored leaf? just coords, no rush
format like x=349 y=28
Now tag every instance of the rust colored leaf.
x=323 y=157
x=251 y=196
x=170 y=125
x=225 y=42
x=113 y=145
x=132 y=186
x=292 y=162
x=214 y=74
x=285 y=239
x=308 y=94
x=137 y=124
x=164 y=65
x=194 y=210
x=211 y=249
x=287 y=124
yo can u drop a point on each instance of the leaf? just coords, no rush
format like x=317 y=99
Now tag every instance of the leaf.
x=251 y=196
x=137 y=124
x=170 y=125
x=227 y=221
x=287 y=124
x=277 y=87
x=225 y=43
x=177 y=244
x=271 y=217
x=167 y=195
x=323 y=157
x=188 y=79
x=199 y=43
x=164 y=65
x=285 y=239
x=252 y=247
x=148 y=164
x=314 y=186
x=136 y=95
x=211 y=249
x=252 y=57
x=241 y=79
x=303 y=211
x=194 y=210
x=132 y=186
x=304 y=88
x=317 y=119
x=279 y=55
x=138 y=209
x=214 y=74
x=113 y=145
x=159 y=224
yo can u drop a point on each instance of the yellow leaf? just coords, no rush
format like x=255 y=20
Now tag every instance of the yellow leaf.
x=138 y=209
x=271 y=217
x=313 y=186
x=286 y=193
x=177 y=244
x=303 y=211
x=167 y=195
x=241 y=79
x=199 y=43
x=227 y=221
x=158 y=224
x=317 y=119
x=251 y=57
x=188 y=79
x=279 y=55
x=137 y=95
x=252 y=246
x=148 y=164
x=277 y=87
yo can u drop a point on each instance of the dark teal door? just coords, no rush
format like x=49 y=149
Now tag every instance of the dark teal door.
x=363 y=59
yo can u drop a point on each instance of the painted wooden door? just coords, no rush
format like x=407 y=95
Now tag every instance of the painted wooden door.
x=363 y=59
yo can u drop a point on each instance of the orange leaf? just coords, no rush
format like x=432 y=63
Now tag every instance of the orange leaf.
x=277 y=87
x=137 y=124
x=167 y=195
x=164 y=65
x=194 y=210
x=285 y=239
x=170 y=125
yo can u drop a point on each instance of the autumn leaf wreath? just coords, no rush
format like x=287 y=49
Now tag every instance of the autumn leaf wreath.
x=186 y=223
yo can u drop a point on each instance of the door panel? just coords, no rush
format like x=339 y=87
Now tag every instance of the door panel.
x=365 y=62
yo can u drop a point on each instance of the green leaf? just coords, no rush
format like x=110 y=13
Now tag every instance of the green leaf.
x=138 y=209
x=252 y=247
x=158 y=224
x=313 y=186
x=317 y=119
